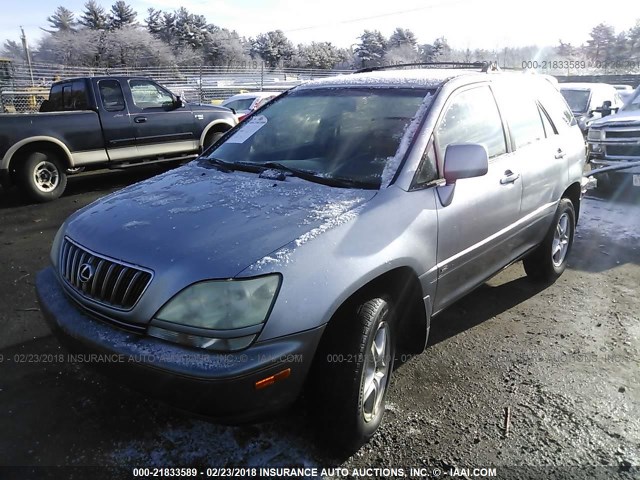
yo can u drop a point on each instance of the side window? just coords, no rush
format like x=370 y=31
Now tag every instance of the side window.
x=67 y=97
x=55 y=99
x=555 y=105
x=427 y=170
x=79 y=93
x=147 y=94
x=472 y=117
x=111 y=95
x=521 y=112
x=549 y=129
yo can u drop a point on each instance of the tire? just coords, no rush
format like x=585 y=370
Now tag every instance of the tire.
x=42 y=176
x=547 y=262
x=350 y=382
x=211 y=138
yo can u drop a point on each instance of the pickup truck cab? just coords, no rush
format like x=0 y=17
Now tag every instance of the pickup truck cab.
x=113 y=122
x=615 y=141
x=590 y=101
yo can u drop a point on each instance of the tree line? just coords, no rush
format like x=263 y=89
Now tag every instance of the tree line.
x=117 y=37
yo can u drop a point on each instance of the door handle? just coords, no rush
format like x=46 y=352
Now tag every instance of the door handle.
x=140 y=119
x=560 y=154
x=509 y=177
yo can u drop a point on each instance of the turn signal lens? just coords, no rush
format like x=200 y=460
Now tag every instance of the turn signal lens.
x=266 y=382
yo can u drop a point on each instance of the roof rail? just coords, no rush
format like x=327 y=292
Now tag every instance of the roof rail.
x=483 y=66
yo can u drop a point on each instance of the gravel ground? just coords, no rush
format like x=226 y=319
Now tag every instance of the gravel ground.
x=561 y=362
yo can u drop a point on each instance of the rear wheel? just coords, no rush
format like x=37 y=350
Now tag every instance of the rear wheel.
x=352 y=374
x=549 y=260
x=42 y=176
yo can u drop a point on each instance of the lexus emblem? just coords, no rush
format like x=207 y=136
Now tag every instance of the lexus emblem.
x=85 y=273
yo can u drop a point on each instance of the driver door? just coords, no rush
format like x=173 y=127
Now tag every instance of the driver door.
x=161 y=128
x=476 y=231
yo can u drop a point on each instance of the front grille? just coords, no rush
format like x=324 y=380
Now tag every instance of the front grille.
x=623 y=150
x=102 y=279
x=623 y=134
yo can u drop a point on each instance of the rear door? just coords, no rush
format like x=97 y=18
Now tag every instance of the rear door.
x=475 y=230
x=541 y=156
x=117 y=128
x=160 y=128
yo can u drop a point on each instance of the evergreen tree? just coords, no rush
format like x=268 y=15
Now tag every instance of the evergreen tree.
x=371 y=48
x=94 y=16
x=601 y=42
x=122 y=15
x=401 y=37
x=62 y=20
x=272 y=47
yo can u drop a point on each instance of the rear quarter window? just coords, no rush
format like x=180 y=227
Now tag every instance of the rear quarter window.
x=519 y=106
x=555 y=105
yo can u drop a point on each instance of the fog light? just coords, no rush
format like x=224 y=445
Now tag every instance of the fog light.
x=219 y=344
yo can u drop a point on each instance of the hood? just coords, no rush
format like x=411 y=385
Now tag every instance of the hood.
x=206 y=222
x=624 y=118
x=201 y=107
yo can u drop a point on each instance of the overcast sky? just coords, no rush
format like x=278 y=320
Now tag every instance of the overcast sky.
x=465 y=23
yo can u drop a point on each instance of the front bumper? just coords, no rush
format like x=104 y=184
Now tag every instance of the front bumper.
x=220 y=385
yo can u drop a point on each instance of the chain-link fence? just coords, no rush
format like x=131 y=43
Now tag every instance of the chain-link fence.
x=24 y=88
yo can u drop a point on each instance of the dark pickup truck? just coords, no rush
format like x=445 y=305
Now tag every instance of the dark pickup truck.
x=112 y=122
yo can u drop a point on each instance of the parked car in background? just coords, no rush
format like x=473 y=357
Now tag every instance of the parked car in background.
x=113 y=122
x=312 y=244
x=245 y=103
x=615 y=140
x=590 y=101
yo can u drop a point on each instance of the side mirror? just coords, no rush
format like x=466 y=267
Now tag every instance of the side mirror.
x=465 y=160
x=178 y=103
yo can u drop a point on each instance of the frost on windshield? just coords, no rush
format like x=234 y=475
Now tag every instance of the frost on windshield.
x=392 y=164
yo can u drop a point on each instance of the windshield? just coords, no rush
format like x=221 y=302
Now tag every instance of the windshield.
x=578 y=100
x=348 y=133
x=633 y=103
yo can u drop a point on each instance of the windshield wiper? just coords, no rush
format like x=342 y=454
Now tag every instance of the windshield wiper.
x=221 y=164
x=331 y=181
x=231 y=166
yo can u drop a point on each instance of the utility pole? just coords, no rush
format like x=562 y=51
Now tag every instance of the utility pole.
x=27 y=55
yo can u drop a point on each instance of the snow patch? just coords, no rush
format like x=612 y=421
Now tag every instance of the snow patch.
x=136 y=223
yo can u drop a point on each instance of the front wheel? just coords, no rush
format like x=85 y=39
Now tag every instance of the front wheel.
x=42 y=176
x=547 y=262
x=211 y=138
x=353 y=373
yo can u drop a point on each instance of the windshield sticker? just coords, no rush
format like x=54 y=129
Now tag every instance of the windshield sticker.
x=248 y=129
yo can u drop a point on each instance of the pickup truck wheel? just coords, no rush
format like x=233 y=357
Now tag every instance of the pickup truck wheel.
x=42 y=176
x=211 y=138
x=549 y=260
x=353 y=374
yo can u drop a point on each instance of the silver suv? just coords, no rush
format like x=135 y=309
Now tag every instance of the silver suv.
x=314 y=242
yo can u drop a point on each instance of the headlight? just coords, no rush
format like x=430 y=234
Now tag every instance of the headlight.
x=595 y=134
x=582 y=122
x=218 y=314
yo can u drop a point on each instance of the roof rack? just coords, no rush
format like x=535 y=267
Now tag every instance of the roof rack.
x=484 y=67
